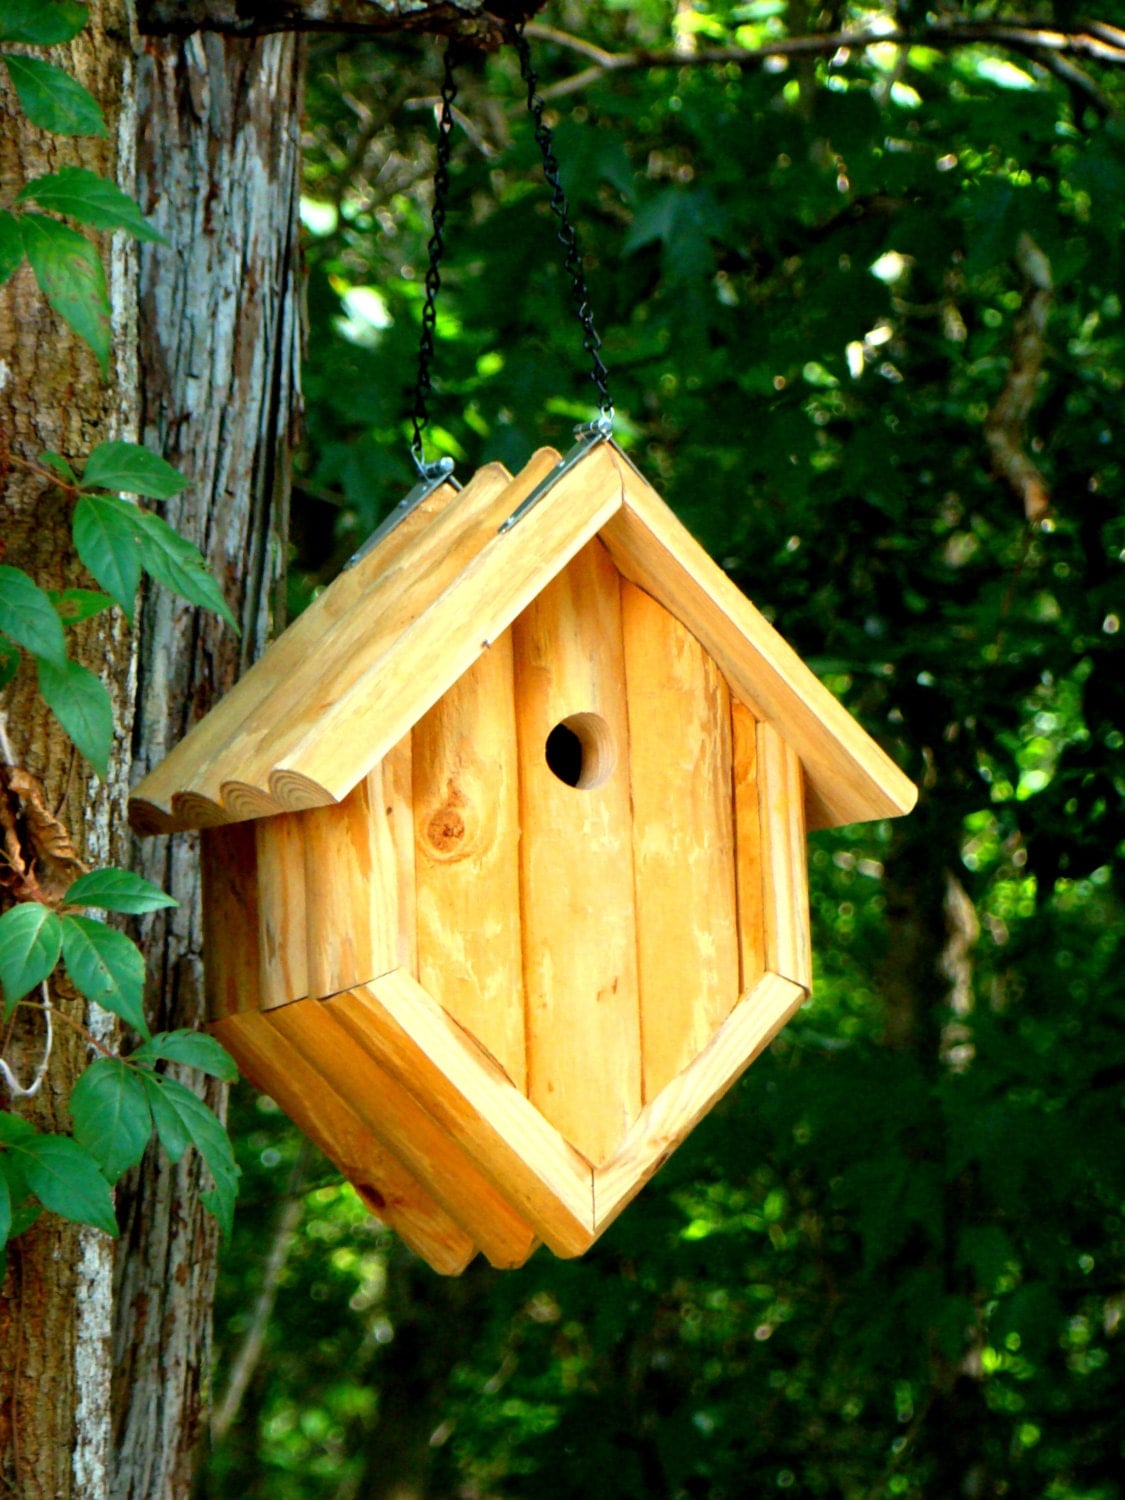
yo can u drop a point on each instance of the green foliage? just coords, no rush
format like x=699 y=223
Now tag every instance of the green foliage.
x=80 y=702
x=90 y=199
x=53 y=100
x=28 y=617
x=105 y=967
x=117 y=890
x=69 y=271
x=126 y=467
x=30 y=943
x=41 y=23
x=111 y=1115
x=889 y=1263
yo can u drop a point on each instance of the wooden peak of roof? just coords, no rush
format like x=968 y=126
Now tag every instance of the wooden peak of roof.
x=373 y=653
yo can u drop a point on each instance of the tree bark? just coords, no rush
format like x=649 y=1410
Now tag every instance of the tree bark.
x=218 y=173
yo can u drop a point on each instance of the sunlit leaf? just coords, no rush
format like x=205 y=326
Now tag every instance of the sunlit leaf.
x=105 y=967
x=117 y=890
x=52 y=99
x=91 y=199
x=195 y=1049
x=30 y=939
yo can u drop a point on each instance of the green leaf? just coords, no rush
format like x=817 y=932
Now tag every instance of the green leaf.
x=52 y=99
x=117 y=890
x=112 y=1120
x=30 y=939
x=69 y=271
x=129 y=467
x=9 y=662
x=192 y=1048
x=57 y=462
x=170 y=1127
x=213 y=1144
x=90 y=198
x=13 y=1129
x=5 y=1207
x=176 y=563
x=11 y=245
x=28 y=616
x=105 y=538
x=81 y=703
x=74 y=605
x=106 y=967
x=66 y=1179
x=41 y=23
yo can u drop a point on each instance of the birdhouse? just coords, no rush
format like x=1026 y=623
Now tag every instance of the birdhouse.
x=503 y=848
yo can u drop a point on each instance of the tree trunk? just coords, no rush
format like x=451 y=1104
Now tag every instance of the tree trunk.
x=219 y=323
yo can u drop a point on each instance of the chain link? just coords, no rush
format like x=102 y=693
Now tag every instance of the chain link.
x=568 y=238
x=424 y=385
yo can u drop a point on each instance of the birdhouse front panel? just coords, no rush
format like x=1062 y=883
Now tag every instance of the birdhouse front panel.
x=524 y=889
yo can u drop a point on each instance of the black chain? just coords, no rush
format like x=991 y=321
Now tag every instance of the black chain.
x=424 y=385
x=568 y=238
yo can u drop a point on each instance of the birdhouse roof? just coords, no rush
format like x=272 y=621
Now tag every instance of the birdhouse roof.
x=373 y=653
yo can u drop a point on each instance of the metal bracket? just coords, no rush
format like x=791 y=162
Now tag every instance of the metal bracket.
x=435 y=475
x=600 y=430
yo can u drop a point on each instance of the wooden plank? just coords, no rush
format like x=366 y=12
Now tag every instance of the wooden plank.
x=282 y=921
x=748 y=847
x=784 y=859
x=398 y=795
x=683 y=838
x=277 y=1068
x=428 y=657
x=749 y=1028
x=151 y=805
x=351 y=890
x=576 y=866
x=474 y=1103
x=850 y=779
x=392 y=1112
x=231 y=942
x=467 y=831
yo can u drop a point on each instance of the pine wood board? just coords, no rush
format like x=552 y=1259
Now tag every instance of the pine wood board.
x=427 y=658
x=282 y=918
x=151 y=804
x=749 y=878
x=277 y=1068
x=849 y=778
x=231 y=940
x=473 y=1101
x=750 y=1027
x=405 y=1127
x=351 y=889
x=467 y=843
x=683 y=838
x=784 y=858
x=576 y=862
x=398 y=793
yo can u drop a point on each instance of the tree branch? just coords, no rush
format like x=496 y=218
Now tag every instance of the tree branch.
x=1094 y=40
x=478 y=22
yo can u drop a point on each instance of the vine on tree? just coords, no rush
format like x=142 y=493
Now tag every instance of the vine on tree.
x=118 y=1101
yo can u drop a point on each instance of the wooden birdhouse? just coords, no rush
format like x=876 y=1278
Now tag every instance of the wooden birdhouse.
x=503 y=849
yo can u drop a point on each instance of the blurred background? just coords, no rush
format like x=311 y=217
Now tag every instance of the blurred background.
x=862 y=312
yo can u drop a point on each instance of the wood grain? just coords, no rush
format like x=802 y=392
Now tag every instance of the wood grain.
x=784 y=858
x=398 y=803
x=576 y=865
x=683 y=838
x=351 y=889
x=392 y=1112
x=748 y=848
x=279 y=1069
x=282 y=918
x=475 y=1104
x=231 y=935
x=467 y=842
x=849 y=778
x=749 y=1028
x=427 y=657
x=151 y=805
